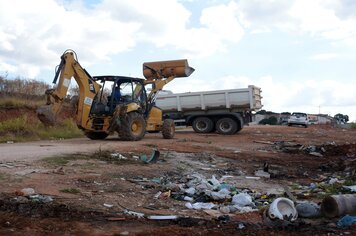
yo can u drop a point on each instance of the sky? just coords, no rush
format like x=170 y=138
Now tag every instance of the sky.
x=301 y=53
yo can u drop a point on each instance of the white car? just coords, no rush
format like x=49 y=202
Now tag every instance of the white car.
x=298 y=118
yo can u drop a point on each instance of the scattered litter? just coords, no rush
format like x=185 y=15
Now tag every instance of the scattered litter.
x=167 y=217
x=26 y=172
x=346 y=221
x=242 y=199
x=351 y=188
x=25 y=192
x=108 y=205
x=190 y=191
x=156 y=196
x=283 y=209
x=200 y=205
x=240 y=226
x=9 y=142
x=263 y=174
x=135 y=214
x=118 y=156
x=317 y=154
x=7 y=166
x=153 y=159
x=41 y=198
x=308 y=209
x=188 y=199
x=339 y=205
x=252 y=177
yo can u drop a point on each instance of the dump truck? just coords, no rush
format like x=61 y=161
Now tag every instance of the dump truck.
x=223 y=111
x=128 y=109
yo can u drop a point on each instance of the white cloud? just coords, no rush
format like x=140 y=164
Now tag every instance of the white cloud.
x=324 y=56
x=35 y=37
x=318 y=18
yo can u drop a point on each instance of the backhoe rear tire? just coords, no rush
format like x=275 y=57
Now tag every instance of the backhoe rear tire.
x=168 y=129
x=133 y=128
x=203 y=125
x=96 y=135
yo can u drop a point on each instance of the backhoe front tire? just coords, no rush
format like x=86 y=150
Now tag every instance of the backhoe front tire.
x=96 y=135
x=168 y=129
x=133 y=128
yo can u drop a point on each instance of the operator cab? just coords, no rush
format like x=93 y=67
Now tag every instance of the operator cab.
x=117 y=90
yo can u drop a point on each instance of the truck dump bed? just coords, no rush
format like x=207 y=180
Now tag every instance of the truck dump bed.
x=232 y=100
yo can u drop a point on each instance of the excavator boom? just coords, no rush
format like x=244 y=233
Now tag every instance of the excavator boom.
x=69 y=67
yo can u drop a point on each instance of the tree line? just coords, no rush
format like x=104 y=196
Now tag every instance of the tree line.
x=26 y=88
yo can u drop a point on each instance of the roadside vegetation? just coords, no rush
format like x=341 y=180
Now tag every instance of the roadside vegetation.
x=19 y=99
x=353 y=125
x=21 y=129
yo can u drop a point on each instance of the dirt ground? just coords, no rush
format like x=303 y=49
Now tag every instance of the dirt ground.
x=88 y=187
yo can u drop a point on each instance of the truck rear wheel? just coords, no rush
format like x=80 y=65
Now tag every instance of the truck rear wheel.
x=203 y=125
x=96 y=135
x=168 y=129
x=226 y=126
x=133 y=128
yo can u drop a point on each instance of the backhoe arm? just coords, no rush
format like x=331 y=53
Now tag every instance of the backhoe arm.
x=88 y=88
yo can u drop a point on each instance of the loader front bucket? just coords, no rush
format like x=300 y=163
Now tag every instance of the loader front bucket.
x=46 y=116
x=166 y=69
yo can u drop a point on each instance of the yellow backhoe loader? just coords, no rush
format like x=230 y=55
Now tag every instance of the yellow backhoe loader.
x=128 y=109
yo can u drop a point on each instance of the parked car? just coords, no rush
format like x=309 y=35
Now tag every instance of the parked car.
x=298 y=118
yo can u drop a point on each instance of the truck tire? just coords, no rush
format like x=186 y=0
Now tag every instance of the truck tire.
x=133 y=128
x=226 y=126
x=168 y=129
x=96 y=135
x=203 y=125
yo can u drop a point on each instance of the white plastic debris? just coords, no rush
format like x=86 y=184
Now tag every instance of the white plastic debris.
x=263 y=174
x=118 y=156
x=188 y=199
x=167 y=217
x=222 y=194
x=242 y=199
x=214 y=182
x=133 y=213
x=352 y=188
x=200 y=205
x=108 y=205
x=27 y=191
x=190 y=191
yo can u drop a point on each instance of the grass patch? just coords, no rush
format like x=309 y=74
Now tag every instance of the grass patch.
x=3 y=177
x=353 y=125
x=70 y=190
x=20 y=129
x=11 y=102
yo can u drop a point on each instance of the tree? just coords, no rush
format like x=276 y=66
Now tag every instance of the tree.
x=341 y=118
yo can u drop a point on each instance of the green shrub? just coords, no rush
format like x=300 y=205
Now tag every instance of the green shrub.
x=16 y=125
x=353 y=125
x=19 y=129
x=269 y=121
